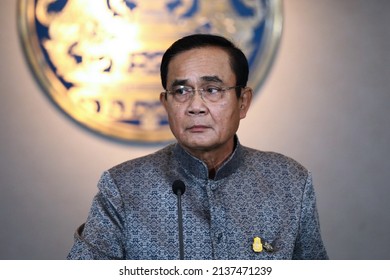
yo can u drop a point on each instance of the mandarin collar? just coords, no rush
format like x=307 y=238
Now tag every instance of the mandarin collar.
x=196 y=167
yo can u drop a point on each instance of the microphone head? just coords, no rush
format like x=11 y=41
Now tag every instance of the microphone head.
x=177 y=186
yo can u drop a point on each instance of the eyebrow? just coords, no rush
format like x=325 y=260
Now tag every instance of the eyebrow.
x=179 y=82
x=212 y=79
x=203 y=78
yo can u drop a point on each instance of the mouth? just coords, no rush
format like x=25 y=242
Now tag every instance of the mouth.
x=198 y=128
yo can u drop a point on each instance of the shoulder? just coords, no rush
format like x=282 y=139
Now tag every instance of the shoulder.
x=144 y=164
x=269 y=157
x=273 y=161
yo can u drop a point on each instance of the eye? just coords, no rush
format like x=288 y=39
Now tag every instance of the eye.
x=213 y=90
x=181 y=90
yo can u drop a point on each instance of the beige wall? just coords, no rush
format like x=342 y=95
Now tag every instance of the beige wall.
x=326 y=103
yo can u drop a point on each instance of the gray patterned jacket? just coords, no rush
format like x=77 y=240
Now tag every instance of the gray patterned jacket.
x=254 y=194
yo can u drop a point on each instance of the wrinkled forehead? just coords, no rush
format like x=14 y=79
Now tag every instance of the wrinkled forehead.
x=201 y=64
x=211 y=52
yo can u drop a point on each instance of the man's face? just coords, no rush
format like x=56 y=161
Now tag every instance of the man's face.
x=199 y=125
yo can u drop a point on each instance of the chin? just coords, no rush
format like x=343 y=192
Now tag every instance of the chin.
x=198 y=145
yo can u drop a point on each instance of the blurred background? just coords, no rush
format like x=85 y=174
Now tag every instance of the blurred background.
x=325 y=103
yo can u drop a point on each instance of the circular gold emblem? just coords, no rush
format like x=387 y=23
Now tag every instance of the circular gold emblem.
x=99 y=60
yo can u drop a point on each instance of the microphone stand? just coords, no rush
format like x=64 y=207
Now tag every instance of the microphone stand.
x=179 y=188
x=180 y=222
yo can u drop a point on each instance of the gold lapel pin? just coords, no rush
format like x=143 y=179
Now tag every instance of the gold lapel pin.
x=258 y=245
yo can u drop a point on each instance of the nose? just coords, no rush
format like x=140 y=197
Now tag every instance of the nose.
x=197 y=105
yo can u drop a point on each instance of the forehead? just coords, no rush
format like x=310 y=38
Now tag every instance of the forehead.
x=200 y=62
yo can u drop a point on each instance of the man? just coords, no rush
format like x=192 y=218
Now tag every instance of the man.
x=238 y=203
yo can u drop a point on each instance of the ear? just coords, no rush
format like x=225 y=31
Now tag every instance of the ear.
x=163 y=100
x=245 y=101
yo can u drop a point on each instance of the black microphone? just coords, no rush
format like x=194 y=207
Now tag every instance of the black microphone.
x=179 y=188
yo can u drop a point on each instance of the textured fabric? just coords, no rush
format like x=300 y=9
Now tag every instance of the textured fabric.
x=254 y=194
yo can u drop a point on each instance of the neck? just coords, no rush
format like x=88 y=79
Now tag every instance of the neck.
x=213 y=165
x=214 y=158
